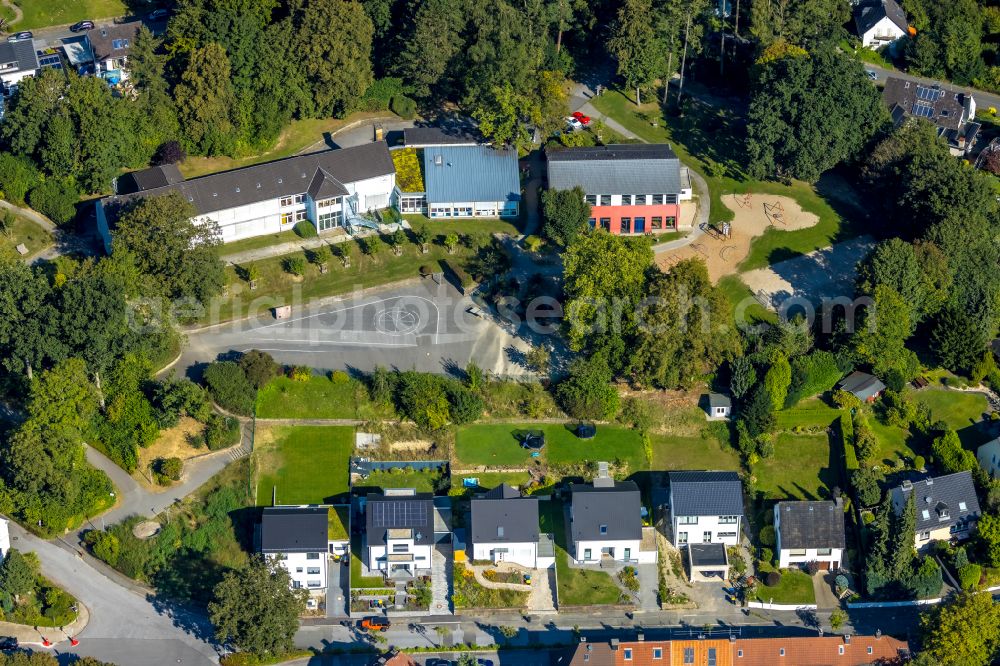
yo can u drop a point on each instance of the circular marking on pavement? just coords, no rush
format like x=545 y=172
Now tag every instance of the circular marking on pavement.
x=397 y=321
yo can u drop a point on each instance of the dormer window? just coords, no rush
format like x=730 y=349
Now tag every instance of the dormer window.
x=962 y=506
x=604 y=529
x=499 y=531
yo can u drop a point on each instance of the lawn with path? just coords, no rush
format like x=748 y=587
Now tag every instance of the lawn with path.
x=497 y=445
x=304 y=464
x=44 y=13
x=577 y=587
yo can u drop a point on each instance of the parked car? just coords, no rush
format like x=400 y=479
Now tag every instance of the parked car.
x=80 y=26
x=573 y=123
x=872 y=74
x=158 y=14
x=436 y=661
x=8 y=643
x=375 y=623
x=20 y=36
x=582 y=117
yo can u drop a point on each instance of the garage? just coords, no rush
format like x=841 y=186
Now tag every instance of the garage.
x=708 y=562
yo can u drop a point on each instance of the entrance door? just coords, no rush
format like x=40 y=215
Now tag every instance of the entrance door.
x=628 y=553
x=640 y=225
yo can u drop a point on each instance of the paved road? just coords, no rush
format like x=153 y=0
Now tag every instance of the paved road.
x=124 y=628
x=419 y=325
x=984 y=100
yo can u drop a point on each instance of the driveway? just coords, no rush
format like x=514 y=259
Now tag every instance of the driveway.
x=338 y=588
x=649 y=583
x=442 y=570
x=420 y=325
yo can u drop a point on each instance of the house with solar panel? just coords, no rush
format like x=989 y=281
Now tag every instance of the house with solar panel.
x=631 y=188
x=606 y=522
x=947 y=507
x=705 y=507
x=950 y=110
x=399 y=532
x=109 y=48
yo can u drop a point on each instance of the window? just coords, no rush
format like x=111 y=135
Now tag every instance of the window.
x=671 y=223
x=727 y=535
x=682 y=537
x=657 y=653
x=739 y=653
x=924 y=536
x=412 y=204
x=300 y=198
x=728 y=520
x=119 y=43
x=606 y=223
x=626 y=225
x=840 y=649
x=628 y=199
x=500 y=531
x=400 y=547
x=296 y=585
x=869 y=649
x=823 y=551
x=962 y=506
x=711 y=657
x=315 y=583
x=797 y=552
x=706 y=537
x=781 y=652
x=287 y=218
x=591 y=199
x=640 y=225
x=605 y=200
x=300 y=216
x=604 y=529
x=689 y=655
x=656 y=223
x=463 y=211
x=330 y=220
x=312 y=556
x=328 y=202
x=657 y=199
x=688 y=520
x=283 y=556
x=592 y=222
x=628 y=554
x=586 y=553
x=286 y=201
x=313 y=570
x=670 y=198
x=298 y=569
x=628 y=654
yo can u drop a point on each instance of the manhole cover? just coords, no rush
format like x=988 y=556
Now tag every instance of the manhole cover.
x=397 y=321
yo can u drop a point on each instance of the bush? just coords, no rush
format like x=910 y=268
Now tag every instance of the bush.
x=339 y=377
x=169 y=152
x=812 y=568
x=167 y=470
x=230 y=387
x=104 y=546
x=457 y=272
x=221 y=432
x=56 y=199
x=919 y=463
x=772 y=578
x=259 y=367
x=18 y=176
x=813 y=373
x=465 y=405
x=766 y=536
x=300 y=373
x=766 y=555
x=379 y=95
x=969 y=576
x=403 y=106
x=172 y=398
x=295 y=265
x=305 y=229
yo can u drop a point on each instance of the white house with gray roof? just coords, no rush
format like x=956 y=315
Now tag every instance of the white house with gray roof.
x=504 y=527
x=330 y=189
x=947 y=507
x=810 y=532
x=18 y=61
x=706 y=507
x=606 y=522
x=297 y=536
x=399 y=531
x=879 y=22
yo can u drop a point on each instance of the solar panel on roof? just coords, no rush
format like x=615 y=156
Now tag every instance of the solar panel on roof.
x=395 y=514
x=923 y=110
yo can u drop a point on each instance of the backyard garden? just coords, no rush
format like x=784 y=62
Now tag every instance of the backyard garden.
x=301 y=464
x=576 y=587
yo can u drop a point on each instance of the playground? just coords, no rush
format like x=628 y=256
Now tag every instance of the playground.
x=725 y=246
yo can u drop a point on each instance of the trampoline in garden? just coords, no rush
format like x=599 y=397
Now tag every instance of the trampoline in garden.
x=532 y=440
x=585 y=431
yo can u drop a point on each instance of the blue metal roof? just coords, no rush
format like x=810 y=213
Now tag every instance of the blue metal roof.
x=459 y=174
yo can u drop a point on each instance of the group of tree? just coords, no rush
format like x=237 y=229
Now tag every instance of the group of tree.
x=430 y=401
x=892 y=569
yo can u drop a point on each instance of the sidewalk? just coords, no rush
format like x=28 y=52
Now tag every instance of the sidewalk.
x=28 y=635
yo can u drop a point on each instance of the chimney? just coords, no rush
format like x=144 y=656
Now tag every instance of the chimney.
x=930 y=481
x=732 y=638
x=614 y=643
x=847 y=638
x=907 y=485
x=640 y=637
x=838 y=502
x=583 y=639
x=878 y=634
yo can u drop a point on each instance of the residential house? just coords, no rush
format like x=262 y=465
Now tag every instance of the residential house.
x=18 y=60
x=396 y=658
x=718 y=406
x=863 y=386
x=988 y=456
x=947 y=507
x=950 y=110
x=880 y=22
x=707 y=562
x=606 y=522
x=298 y=537
x=810 y=532
x=504 y=527
x=4 y=538
x=706 y=507
x=399 y=531
x=631 y=188
x=109 y=47
x=331 y=189
x=462 y=180
x=849 y=650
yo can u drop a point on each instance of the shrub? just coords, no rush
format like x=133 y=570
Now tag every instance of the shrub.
x=766 y=555
x=259 y=367
x=380 y=93
x=403 y=106
x=451 y=242
x=104 y=546
x=457 y=272
x=837 y=619
x=171 y=398
x=919 y=463
x=167 y=470
x=305 y=229
x=766 y=536
x=169 y=152
x=969 y=576
x=296 y=265
x=534 y=243
x=339 y=377
x=812 y=568
x=56 y=199
x=221 y=432
x=230 y=387
x=300 y=373
x=465 y=405
x=816 y=372
x=772 y=578
x=18 y=176
x=321 y=255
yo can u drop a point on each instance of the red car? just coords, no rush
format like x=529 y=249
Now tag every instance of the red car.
x=584 y=119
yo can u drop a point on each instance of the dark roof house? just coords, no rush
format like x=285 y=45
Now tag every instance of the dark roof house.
x=400 y=512
x=606 y=511
x=294 y=529
x=423 y=137
x=952 y=111
x=810 y=524
x=148 y=179
x=108 y=42
x=503 y=516
x=861 y=385
x=944 y=501
x=17 y=57
x=705 y=493
x=868 y=13
x=615 y=169
x=464 y=173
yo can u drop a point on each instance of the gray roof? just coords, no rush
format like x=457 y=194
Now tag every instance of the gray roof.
x=415 y=512
x=507 y=518
x=945 y=107
x=104 y=39
x=421 y=137
x=293 y=530
x=870 y=12
x=617 y=508
x=940 y=500
x=719 y=400
x=19 y=56
x=471 y=173
x=811 y=524
x=708 y=554
x=616 y=169
x=324 y=186
x=263 y=182
x=706 y=494
x=862 y=385
x=148 y=179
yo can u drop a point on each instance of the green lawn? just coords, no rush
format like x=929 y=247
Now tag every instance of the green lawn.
x=357 y=580
x=470 y=594
x=43 y=13
x=318 y=398
x=892 y=442
x=577 y=587
x=802 y=467
x=811 y=413
x=338 y=523
x=710 y=141
x=676 y=453
x=488 y=481
x=304 y=464
x=460 y=227
x=422 y=482
x=496 y=445
x=796 y=587
x=957 y=409
x=27 y=232
x=742 y=301
x=258 y=242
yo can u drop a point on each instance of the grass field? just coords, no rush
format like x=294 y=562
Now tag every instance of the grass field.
x=796 y=587
x=743 y=303
x=577 y=587
x=258 y=242
x=496 y=445
x=305 y=464
x=460 y=227
x=487 y=481
x=27 y=232
x=957 y=409
x=43 y=13
x=422 y=482
x=802 y=467
x=811 y=413
x=675 y=453
x=892 y=442
x=338 y=523
x=357 y=580
x=318 y=398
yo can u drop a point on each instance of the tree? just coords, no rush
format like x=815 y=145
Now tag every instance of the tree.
x=878 y=569
x=950 y=455
x=803 y=23
x=177 y=257
x=903 y=526
x=230 y=387
x=958 y=339
x=17 y=574
x=56 y=199
x=204 y=98
x=587 y=393
x=880 y=338
x=809 y=113
x=962 y=631
x=256 y=609
x=259 y=367
x=866 y=485
x=538 y=358
x=988 y=536
x=169 y=152
x=427 y=60
x=423 y=399
x=336 y=62
x=566 y=214
x=742 y=376
x=777 y=380
x=758 y=416
x=636 y=45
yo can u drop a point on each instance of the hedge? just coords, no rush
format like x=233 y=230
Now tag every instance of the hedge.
x=458 y=272
x=847 y=437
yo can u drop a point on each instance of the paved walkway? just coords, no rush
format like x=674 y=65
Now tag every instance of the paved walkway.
x=479 y=569
x=18 y=14
x=825 y=598
x=649 y=582
x=442 y=573
x=543 y=591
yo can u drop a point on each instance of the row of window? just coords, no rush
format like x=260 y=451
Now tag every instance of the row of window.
x=292 y=200
x=413 y=204
x=311 y=570
x=309 y=556
x=711 y=656
x=310 y=583
x=801 y=552
x=633 y=199
x=706 y=537
x=723 y=520
x=657 y=223
x=610 y=552
x=293 y=217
